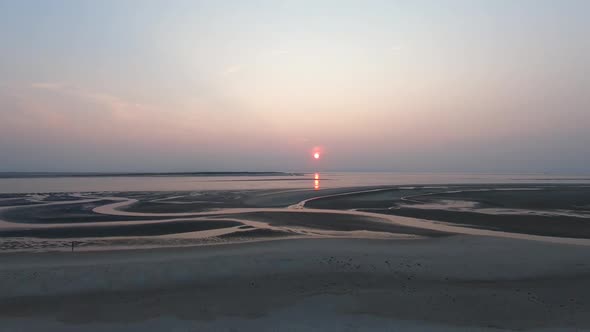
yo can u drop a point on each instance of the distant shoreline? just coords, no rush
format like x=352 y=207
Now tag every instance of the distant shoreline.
x=12 y=175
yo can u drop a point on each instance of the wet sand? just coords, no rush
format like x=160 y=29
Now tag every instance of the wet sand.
x=121 y=230
x=524 y=224
x=334 y=222
x=534 y=212
x=555 y=211
x=475 y=258
x=451 y=283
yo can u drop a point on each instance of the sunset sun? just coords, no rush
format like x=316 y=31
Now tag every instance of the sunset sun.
x=316 y=155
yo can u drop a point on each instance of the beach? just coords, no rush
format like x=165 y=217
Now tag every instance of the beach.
x=472 y=257
x=447 y=283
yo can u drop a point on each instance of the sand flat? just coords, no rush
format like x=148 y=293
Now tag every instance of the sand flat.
x=452 y=282
x=337 y=260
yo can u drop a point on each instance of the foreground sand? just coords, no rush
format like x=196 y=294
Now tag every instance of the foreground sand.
x=448 y=283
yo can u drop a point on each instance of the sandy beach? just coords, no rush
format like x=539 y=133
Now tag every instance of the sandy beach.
x=411 y=258
x=448 y=283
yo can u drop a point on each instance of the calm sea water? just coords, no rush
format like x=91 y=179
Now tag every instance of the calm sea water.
x=316 y=181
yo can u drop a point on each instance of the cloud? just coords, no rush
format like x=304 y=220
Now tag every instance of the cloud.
x=81 y=112
x=113 y=103
x=278 y=52
x=48 y=85
x=235 y=68
x=232 y=69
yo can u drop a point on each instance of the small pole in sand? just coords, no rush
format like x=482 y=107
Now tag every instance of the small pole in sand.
x=73 y=244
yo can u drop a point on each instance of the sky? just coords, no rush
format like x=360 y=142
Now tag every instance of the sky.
x=424 y=86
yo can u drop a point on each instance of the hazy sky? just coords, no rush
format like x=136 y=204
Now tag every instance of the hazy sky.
x=389 y=85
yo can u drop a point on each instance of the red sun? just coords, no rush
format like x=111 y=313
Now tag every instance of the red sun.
x=316 y=155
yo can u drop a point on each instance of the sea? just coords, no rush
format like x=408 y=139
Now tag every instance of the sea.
x=312 y=180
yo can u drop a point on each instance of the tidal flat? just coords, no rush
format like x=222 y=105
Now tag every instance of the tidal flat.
x=445 y=257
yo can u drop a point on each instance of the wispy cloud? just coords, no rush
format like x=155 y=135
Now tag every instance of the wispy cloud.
x=112 y=102
x=278 y=52
x=124 y=112
x=236 y=68
x=232 y=69
x=48 y=85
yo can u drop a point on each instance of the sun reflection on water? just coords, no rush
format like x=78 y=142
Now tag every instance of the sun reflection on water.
x=316 y=181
